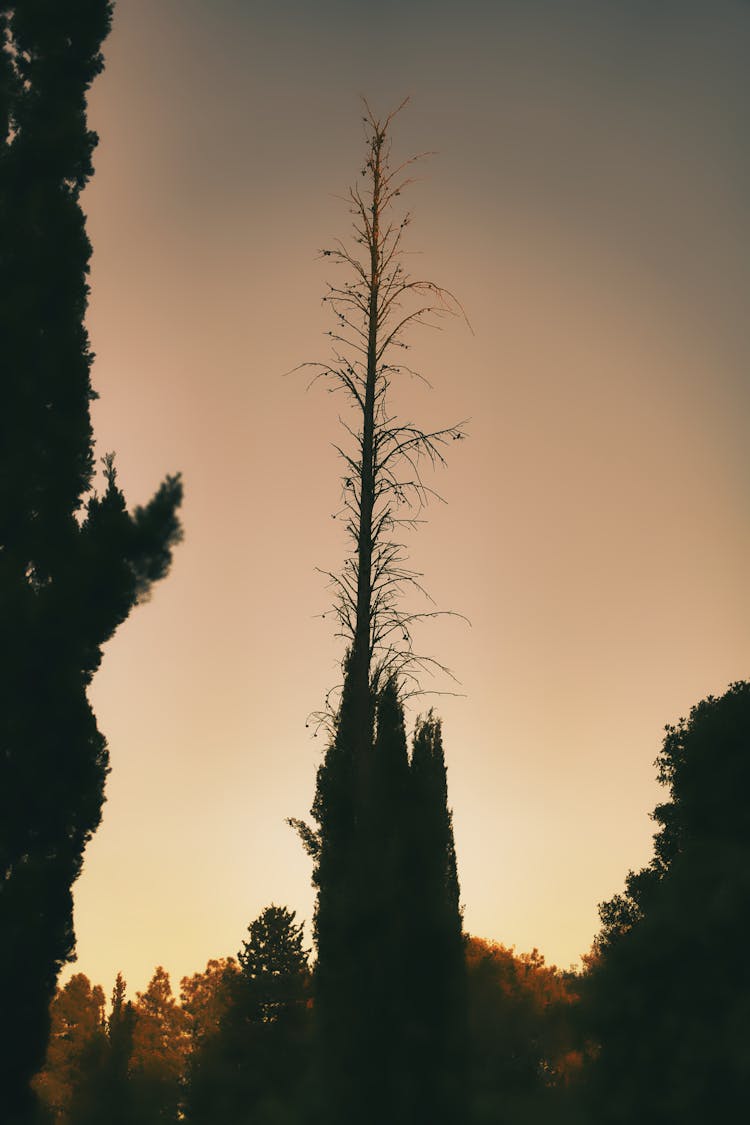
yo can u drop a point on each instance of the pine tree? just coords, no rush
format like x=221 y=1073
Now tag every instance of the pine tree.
x=116 y=1085
x=254 y=1068
x=72 y=564
x=341 y=912
x=273 y=964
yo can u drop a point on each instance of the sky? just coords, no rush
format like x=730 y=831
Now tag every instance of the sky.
x=588 y=203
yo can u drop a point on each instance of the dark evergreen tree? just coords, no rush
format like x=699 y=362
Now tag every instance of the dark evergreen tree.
x=103 y=1088
x=340 y=911
x=436 y=954
x=72 y=564
x=383 y=911
x=390 y=978
x=120 y=1031
x=668 y=991
x=254 y=1070
x=273 y=965
x=361 y=917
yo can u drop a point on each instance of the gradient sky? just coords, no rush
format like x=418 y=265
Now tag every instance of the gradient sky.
x=589 y=203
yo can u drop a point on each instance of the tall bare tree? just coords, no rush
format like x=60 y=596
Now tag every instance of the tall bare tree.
x=383 y=489
x=379 y=1058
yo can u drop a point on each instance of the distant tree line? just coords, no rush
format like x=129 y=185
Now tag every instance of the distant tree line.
x=654 y=1028
x=238 y=1046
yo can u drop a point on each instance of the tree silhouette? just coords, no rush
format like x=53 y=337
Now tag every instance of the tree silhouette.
x=273 y=965
x=116 y=1094
x=436 y=969
x=72 y=564
x=370 y=804
x=383 y=491
x=253 y=1068
x=667 y=997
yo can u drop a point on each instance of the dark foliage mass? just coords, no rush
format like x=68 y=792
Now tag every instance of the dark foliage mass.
x=240 y=1048
x=72 y=564
x=389 y=980
x=255 y=1066
x=668 y=993
x=525 y=1056
x=236 y=1050
x=435 y=968
x=654 y=1030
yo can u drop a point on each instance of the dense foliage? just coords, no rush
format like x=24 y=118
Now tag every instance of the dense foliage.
x=389 y=979
x=72 y=564
x=646 y=1033
x=526 y=1058
x=254 y=1066
x=668 y=1001
x=239 y=1046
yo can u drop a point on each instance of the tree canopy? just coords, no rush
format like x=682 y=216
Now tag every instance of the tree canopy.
x=674 y=1043
x=254 y=1064
x=72 y=563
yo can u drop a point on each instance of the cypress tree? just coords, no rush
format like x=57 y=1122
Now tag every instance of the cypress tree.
x=436 y=955
x=340 y=924
x=388 y=903
x=72 y=564
x=390 y=976
x=364 y=847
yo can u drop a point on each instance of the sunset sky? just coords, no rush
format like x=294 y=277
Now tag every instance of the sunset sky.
x=589 y=203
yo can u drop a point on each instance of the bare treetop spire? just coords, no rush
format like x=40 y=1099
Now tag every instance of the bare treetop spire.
x=383 y=490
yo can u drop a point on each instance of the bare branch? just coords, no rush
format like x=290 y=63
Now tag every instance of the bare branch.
x=382 y=488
